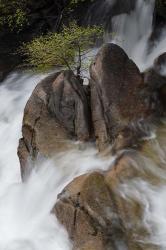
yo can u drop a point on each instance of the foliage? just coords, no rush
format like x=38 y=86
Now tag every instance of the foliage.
x=12 y=13
x=79 y=1
x=69 y=48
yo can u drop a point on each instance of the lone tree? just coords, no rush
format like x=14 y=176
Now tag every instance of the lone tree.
x=68 y=49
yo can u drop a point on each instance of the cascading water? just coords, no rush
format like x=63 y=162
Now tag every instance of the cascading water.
x=25 y=219
x=151 y=193
x=132 y=32
x=24 y=208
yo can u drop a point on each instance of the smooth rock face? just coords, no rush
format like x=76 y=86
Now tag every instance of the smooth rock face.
x=94 y=210
x=56 y=113
x=119 y=96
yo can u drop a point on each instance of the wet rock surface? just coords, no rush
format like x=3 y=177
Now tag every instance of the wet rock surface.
x=113 y=202
x=56 y=113
x=94 y=210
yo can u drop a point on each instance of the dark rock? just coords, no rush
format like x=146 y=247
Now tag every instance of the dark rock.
x=162 y=97
x=160 y=11
x=160 y=62
x=132 y=136
x=155 y=81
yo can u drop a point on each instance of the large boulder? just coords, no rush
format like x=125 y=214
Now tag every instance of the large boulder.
x=123 y=103
x=56 y=114
x=119 y=96
x=97 y=213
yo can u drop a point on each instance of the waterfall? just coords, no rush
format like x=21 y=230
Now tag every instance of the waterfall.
x=130 y=25
x=132 y=32
x=25 y=219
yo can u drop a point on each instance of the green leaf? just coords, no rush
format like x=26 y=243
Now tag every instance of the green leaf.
x=69 y=48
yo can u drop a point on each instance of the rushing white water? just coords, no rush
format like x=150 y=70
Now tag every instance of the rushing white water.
x=132 y=32
x=25 y=219
x=25 y=222
x=153 y=200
